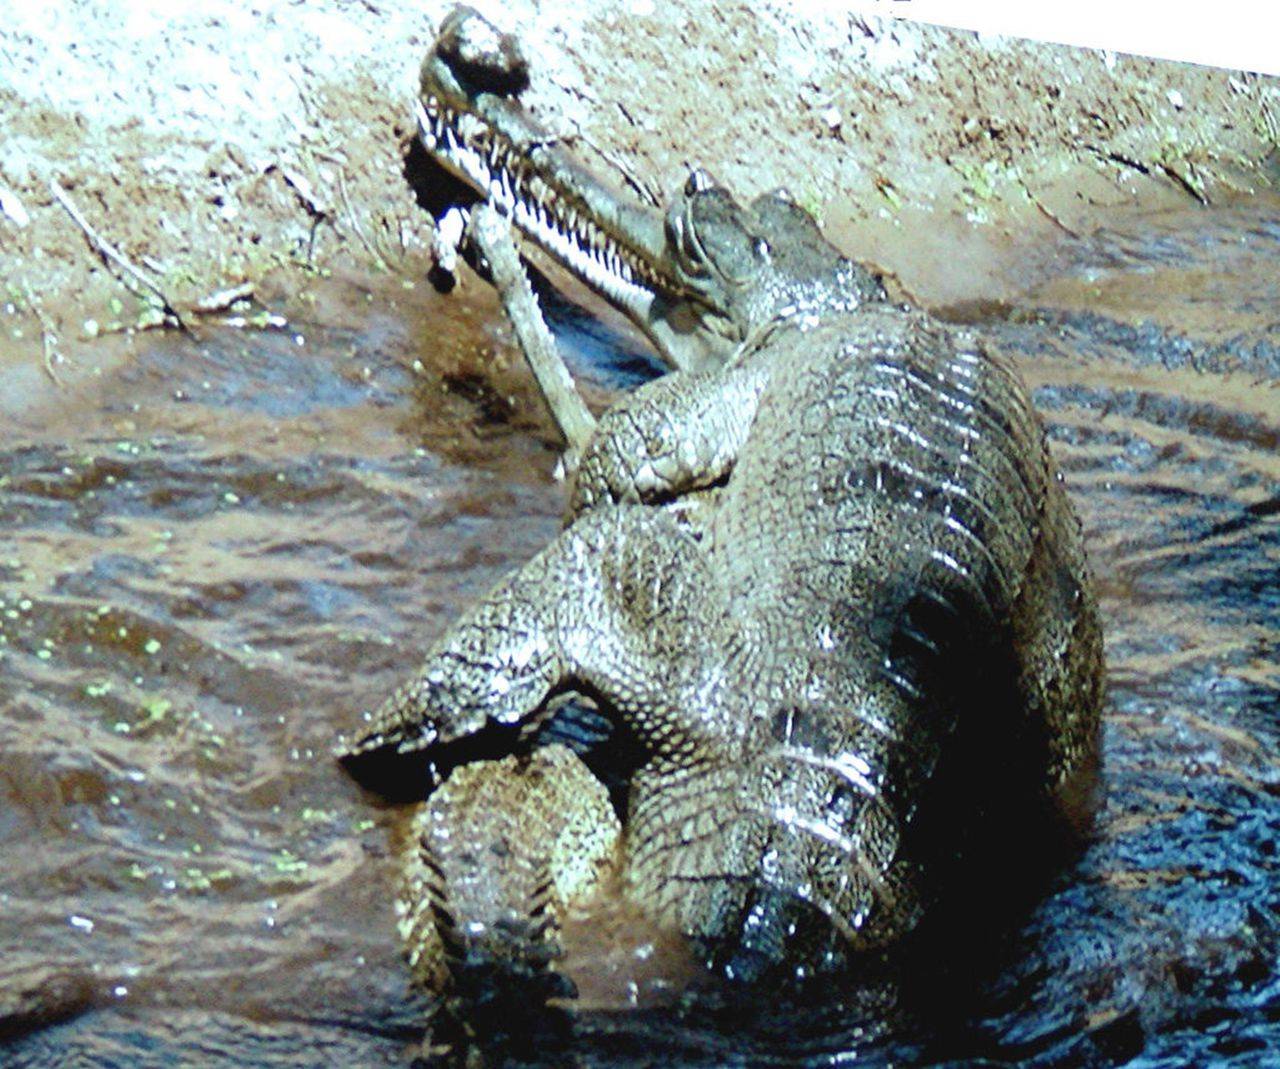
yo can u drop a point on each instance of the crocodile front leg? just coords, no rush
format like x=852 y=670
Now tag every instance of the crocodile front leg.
x=672 y=436
x=620 y=606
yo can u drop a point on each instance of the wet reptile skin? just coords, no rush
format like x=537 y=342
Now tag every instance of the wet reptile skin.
x=867 y=653
x=891 y=562
x=493 y=860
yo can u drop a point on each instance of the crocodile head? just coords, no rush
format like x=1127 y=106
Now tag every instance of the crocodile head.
x=696 y=280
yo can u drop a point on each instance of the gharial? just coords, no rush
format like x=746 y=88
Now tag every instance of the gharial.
x=825 y=572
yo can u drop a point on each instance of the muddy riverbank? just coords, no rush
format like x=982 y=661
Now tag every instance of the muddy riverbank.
x=253 y=149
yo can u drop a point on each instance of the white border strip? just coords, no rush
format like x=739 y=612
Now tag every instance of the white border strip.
x=1241 y=35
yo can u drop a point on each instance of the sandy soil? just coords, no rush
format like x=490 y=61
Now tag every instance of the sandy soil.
x=255 y=146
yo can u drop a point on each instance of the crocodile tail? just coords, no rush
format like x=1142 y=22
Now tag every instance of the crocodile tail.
x=509 y=962
x=480 y=909
x=495 y=986
x=448 y=948
x=756 y=940
x=477 y=916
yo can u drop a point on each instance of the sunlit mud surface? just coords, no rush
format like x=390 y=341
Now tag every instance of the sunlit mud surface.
x=209 y=568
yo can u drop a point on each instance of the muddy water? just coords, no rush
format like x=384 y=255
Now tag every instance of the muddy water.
x=211 y=562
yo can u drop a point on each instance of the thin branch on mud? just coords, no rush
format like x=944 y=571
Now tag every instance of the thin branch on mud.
x=370 y=247
x=626 y=114
x=861 y=24
x=1116 y=157
x=49 y=339
x=304 y=191
x=1053 y=218
x=1040 y=207
x=221 y=300
x=111 y=255
x=1186 y=183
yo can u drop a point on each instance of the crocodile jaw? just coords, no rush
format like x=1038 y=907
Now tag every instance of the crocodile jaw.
x=493 y=167
x=471 y=122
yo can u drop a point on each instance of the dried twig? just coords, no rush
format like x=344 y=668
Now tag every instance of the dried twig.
x=1116 y=157
x=631 y=119
x=370 y=247
x=862 y=25
x=1040 y=207
x=223 y=299
x=1191 y=188
x=492 y=235
x=12 y=208
x=304 y=191
x=112 y=256
x=49 y=338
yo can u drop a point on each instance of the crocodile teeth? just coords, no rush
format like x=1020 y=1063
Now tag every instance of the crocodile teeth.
x=470 y=148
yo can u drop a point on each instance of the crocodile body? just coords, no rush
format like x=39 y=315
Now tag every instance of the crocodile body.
x=829 y=578
x=494 y=859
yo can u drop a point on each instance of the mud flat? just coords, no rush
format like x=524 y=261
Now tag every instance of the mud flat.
x=237 y=149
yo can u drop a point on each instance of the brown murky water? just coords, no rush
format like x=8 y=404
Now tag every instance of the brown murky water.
x=212 y=564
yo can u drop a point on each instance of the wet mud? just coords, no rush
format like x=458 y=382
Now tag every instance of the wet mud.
x=212 y=561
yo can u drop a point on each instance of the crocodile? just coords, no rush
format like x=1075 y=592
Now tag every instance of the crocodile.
x=865 y=660
x=493 y=861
